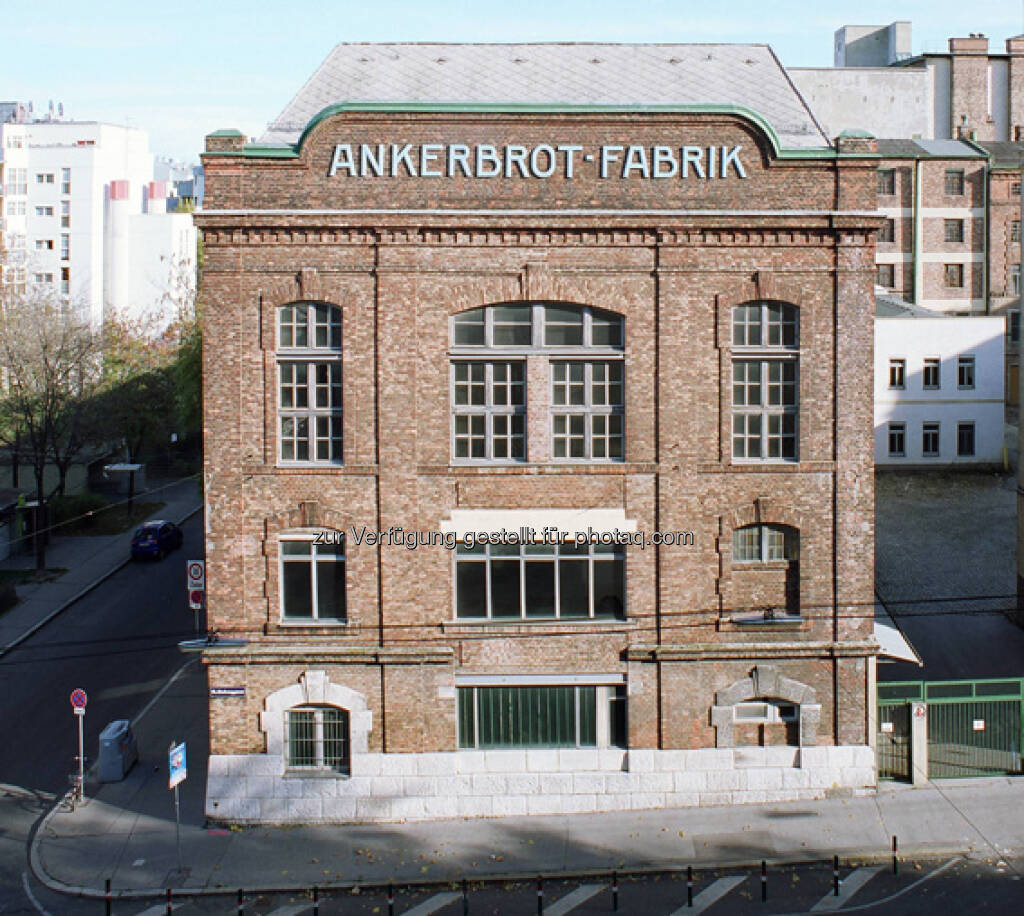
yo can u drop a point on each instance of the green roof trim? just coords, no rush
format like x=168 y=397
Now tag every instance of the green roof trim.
x=741 y=111
x=228 y=132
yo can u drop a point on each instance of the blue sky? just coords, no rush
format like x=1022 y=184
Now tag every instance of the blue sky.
x=182 y=69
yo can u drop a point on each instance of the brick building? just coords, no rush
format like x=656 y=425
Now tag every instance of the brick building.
x=472 y=301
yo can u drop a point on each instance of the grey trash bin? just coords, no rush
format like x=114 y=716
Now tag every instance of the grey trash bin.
x=118 y=750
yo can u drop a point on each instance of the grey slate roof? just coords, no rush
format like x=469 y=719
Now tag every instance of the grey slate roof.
x=552 y=74
x=925 y=149
x=1004 y=155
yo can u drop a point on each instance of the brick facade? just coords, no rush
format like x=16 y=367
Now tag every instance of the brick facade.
x=401 y=256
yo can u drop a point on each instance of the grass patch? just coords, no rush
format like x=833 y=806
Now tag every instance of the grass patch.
x=91 y=514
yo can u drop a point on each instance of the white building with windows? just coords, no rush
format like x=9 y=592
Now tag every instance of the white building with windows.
x=938 y=386
x=82 y=214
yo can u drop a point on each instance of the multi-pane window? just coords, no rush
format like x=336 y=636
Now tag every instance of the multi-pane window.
x=1015 y=231
x=44 y=178
x=523 y=716
x=65 y=214
x=44 y=211
x=765 y=396
x=954 y=182
x=897 y=373
x=897 y=440
x=965 y=372
x=586 y=397
x=313 y=579
x=953 y=276
x=587 y=407
x=931 y=372
x=536 y=581
x=318 y=739
x=765 y=544
x=15 y=208
x=888 y=231
x=954 y=230
x=17 y=182
x=930 y=440
x=887 y=181
x=65 y=246
x=965 y=440
x=1015 y=189
x=490 y=410
x=1015 y=280
x=309 y=383
x=65 y=281
x=65 y=181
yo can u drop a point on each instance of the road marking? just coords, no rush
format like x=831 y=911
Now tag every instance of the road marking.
x=160 y=909
x=849 y=886
x=570 y=901
x=127 y=690
x=433 y=904
x=906 y=890
x=293 y=909
x=162 y=691
x=711 y=894
x=32 y=897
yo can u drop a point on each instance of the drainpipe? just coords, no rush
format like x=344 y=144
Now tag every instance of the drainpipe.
x=918 y=234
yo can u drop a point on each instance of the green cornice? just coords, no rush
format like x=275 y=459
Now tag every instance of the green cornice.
x=740 y=111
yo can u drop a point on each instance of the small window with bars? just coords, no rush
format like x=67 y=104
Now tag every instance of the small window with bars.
x=318 y=739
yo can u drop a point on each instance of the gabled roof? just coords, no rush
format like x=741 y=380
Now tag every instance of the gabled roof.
x=1004 y=155
x=555 y=74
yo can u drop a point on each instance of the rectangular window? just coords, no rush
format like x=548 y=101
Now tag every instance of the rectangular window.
x=313 y=580
x=1013 y=328
x=17 y=182
x=65 y=214
x=44 y=211
x=489 y=403
x=587 y=413
x=44 y=244
x=886 y=275
x=1015 y=189
x=44 y=178
x=965 y=440
x=1015 y=280
x=65 y=281
x=897 y=373
x=888 y=231
x=310 y=411
x=930 y=440
x=954 y=182
x=953 y=276
x=965 y=372
x=1015 y=231
x=65 y=181
x=954 y=229
x=897 y=440
x=887 y=182
x=764 y=399
x=533 y=581
x=65 y=247
x=539 y=716
x=930 y=375
x=318 y=739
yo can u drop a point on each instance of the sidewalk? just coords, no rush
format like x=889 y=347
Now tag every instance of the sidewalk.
x=125 y=832
x=88 y=561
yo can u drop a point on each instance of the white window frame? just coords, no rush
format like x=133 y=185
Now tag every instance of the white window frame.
x=314 y=558
x=931 y=428
x=593 y=414
x=897 y=429
x=931 y=364
x=310 y=359
x=965 y=373
x=320 y=765
x=960 y=426
x=897 y=374
x=488 y=412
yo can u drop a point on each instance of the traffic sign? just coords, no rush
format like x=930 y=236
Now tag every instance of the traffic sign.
x=177 y=765
x=195 y=599
x=196 y=574
x=79 y=698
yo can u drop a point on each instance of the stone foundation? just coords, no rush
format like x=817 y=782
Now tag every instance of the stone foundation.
x=403 y=787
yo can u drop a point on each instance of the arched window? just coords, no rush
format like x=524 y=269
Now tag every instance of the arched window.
x=309 y=383
x=766 y=573
x=765 y=544
x=765 y=381
x=317 y=738
x=582 y=347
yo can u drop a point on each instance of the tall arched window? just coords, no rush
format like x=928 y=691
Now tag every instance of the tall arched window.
x=583 y=350
x=309 y=383
x=765 y=381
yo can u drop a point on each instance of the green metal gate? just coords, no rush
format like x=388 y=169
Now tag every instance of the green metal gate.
x=974 y=727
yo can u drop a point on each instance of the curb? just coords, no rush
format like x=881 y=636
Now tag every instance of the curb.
x=39 y=624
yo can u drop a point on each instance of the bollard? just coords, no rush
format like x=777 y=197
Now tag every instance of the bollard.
x=540 y=896
x=689 y=885
x=170 y=906
x=895 y=867
x=764 y=881
x=316 y=901
x=835 y=876
x=391 y=899
x=241 y=902
x=465 y=897
x=615 y=891
x=106 y=895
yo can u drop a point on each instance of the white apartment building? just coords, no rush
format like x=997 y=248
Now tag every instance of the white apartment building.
x=81 y=213
x=938 y=386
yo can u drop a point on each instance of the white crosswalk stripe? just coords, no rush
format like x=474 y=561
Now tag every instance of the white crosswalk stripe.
x=433 y=904
x=849 y=886
x=161 y=908
x=711 y=894
x=293 y=909
x=572 y=900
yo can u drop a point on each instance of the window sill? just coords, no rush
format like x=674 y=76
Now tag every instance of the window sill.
x=314 y=773
x=758 y=622
x=312 y=625
x=536 y=625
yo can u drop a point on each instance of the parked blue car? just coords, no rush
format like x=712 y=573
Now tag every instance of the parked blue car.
x=156 y=538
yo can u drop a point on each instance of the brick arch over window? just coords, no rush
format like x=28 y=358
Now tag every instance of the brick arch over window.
x=316 y=689
x=764 y=511
x=765 y=682
x=304 y=284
